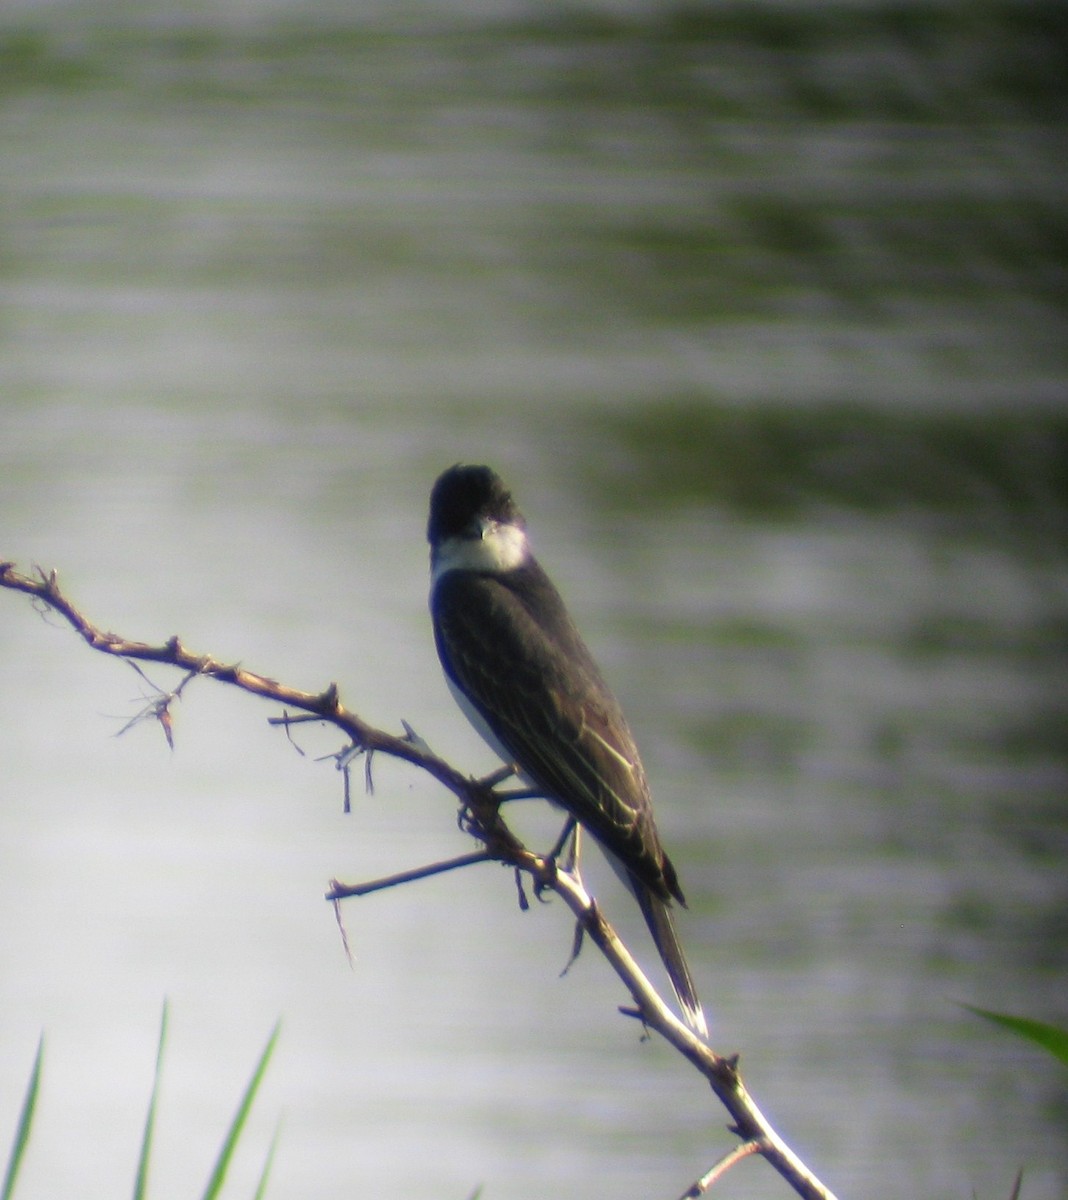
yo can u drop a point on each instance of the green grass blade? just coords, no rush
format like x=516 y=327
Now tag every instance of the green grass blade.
x=141 y=1182
x=1049 y=1037
x=22 y=1133
x=261 y=1187
x=222 y=1164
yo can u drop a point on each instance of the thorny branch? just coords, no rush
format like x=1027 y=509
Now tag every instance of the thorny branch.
x=480 y=816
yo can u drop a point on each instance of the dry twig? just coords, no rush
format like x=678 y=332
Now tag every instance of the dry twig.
x=480 y=816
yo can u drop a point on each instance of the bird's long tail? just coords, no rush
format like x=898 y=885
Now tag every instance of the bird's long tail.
x=661 y=922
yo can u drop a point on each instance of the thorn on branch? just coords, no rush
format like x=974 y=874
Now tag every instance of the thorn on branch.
x=341 y=929
x=521 y=891
x=159 y=708
x=636 y=1014
x=167 y=725
x=576 y=947
x=343 y=760
x=44 y=610
x=188 y=678
x=288 y=722
x=415 y=739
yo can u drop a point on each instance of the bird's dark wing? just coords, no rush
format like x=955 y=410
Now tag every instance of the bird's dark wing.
x=546 y=702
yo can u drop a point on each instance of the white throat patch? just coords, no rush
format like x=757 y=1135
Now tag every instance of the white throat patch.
x=500 y=548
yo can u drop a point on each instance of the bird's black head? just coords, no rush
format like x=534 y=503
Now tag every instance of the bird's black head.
x=461 y=496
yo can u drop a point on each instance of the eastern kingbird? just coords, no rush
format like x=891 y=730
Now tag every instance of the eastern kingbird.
x=524 y=678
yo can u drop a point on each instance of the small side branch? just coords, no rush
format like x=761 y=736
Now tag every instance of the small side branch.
x=702 y=1185
x=341 y=891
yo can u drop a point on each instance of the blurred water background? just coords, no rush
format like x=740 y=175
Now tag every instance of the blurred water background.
x=760 y=309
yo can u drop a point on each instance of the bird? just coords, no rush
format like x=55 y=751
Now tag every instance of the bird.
x=520 y=671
